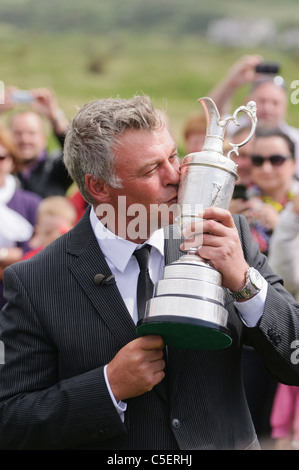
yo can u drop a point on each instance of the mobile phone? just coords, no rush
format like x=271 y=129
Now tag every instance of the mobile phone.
x=268 y=68
x=22 y=96
x=240 y=192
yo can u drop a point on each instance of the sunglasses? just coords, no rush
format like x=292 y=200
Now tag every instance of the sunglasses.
x=275 y=160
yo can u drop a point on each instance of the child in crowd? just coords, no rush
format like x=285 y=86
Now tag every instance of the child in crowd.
x=56 y=215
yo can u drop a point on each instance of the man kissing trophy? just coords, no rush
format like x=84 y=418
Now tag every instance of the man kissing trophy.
x=188 y=305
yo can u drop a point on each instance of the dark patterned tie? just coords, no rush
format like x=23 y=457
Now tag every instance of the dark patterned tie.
x=145 y=285
x=145 y=289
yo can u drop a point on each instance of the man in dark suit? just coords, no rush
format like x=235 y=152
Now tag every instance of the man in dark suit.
x=76 y=375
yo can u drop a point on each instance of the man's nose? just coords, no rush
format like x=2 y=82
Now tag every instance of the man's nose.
x=172 y=173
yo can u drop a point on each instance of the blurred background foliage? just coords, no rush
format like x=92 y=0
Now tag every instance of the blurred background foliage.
x=97 y=48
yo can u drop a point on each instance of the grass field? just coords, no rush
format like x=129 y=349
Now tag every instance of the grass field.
x=174 y=71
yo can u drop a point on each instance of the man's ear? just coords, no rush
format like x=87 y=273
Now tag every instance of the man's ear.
x=97 y=189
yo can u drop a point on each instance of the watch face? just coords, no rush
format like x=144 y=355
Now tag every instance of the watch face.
x=255 y=278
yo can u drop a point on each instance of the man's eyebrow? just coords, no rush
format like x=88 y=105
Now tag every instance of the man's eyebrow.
x=158 y=159
x=151 y=163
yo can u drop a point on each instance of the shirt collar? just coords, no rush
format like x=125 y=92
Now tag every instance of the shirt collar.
x=117 y=250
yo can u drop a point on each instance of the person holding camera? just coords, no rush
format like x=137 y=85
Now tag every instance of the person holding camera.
x=266 y=88
x=37 y=169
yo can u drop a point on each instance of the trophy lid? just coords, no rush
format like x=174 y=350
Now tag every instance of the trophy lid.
x=212 y=152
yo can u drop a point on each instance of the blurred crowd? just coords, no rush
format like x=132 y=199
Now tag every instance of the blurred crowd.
x=39 y=202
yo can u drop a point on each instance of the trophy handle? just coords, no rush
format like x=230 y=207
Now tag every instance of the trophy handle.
x=216 y=127
x=250 y=110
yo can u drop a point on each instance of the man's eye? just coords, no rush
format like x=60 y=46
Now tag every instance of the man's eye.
x=152 y=170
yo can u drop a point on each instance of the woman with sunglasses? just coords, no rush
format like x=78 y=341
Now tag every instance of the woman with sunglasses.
x=17 y=210
x=274 y=185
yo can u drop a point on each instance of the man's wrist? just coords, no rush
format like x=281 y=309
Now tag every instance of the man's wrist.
x=120 y=406
x=58 y=117
x=253 y=285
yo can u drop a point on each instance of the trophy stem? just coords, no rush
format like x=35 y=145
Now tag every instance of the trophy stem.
x=188 y=307
x=192 y=256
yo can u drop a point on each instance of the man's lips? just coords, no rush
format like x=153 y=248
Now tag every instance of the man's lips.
x=174 y=200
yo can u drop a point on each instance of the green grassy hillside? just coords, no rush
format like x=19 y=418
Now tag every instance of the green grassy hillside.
x=174 y=67
x=172 y=16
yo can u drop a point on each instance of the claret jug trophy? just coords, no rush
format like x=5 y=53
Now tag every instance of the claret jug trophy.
x=187 y=309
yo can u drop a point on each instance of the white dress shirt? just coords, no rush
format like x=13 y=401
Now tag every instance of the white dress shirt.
x=118 y=254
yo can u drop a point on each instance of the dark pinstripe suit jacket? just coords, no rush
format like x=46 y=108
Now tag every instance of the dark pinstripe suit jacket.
x=60 y=329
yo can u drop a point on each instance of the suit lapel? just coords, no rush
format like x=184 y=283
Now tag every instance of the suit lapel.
x=86 y=262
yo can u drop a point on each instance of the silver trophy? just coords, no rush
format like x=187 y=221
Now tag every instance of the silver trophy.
x=188 y=304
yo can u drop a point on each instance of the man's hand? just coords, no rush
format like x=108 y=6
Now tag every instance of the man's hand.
x=218 y=242
x=243 y=71
x=137 y=367
x=240 y=73
x=46 y=104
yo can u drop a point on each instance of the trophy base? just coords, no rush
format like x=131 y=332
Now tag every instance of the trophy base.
x=186 y=333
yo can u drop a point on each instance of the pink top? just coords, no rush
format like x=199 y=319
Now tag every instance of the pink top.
x=285 y=412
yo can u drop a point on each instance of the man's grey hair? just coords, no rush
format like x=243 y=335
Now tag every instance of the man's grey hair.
x=93 y=134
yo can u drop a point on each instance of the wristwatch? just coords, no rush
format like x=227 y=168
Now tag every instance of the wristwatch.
x=254 y=283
